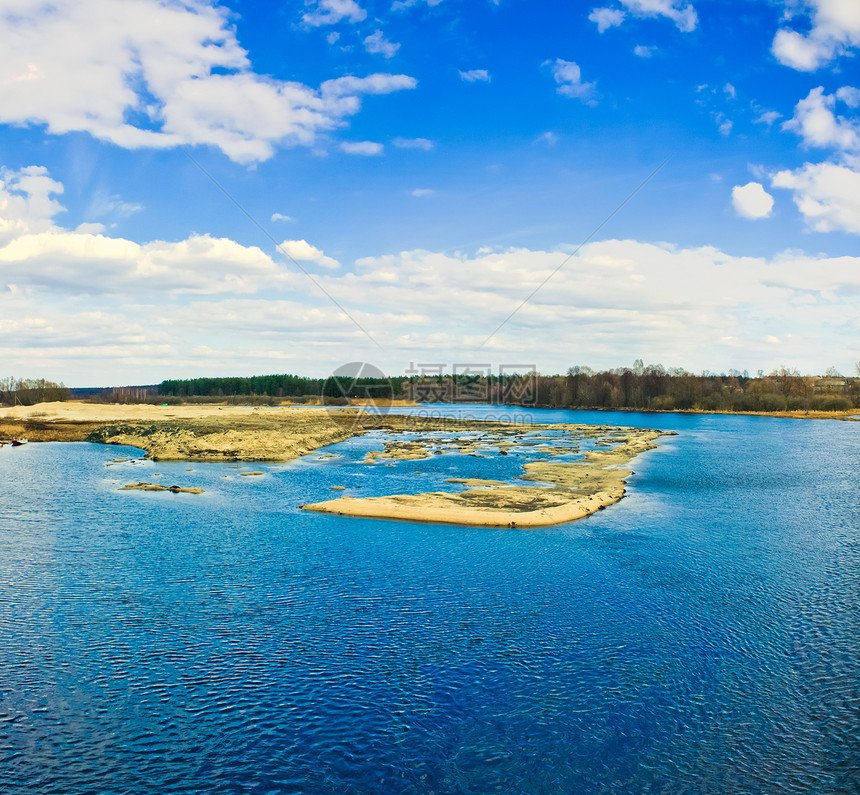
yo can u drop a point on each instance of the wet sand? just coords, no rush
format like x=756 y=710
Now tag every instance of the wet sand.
x=188 y=433
x=546 y=492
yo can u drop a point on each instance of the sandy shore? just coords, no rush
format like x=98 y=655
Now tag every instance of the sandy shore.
x=562 y=492
x=548 y=491
x=188 y=433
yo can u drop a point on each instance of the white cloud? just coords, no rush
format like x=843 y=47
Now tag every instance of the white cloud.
x=730 y=91
x=377 y=44
x=569 y=78
x=303 y=251
x=606 y=18
x=26 y=203
x=399 y=5
x=414 y=143
x=681 y=13
x=815 y=121
x=828 y=195
x=641 y=51
x=329 y=12
x=85 y=263
x=90 y=228
x=143 y=73
x=366 y=148
x=835 y=30
x=280 y=217
x=475 y=76
x=849 y=95
x=347 y=89
x=35 y=252
x=752 y=200
x=83 y=307
x=549 y=138
x=421 y=192
x=767 y=117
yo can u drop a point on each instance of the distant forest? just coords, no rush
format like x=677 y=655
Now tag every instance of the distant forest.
x=29 y=391
x=653 y=388
x=283 y=386
x=641 y=387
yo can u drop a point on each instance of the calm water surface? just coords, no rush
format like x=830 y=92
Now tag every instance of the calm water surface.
x=703 y=635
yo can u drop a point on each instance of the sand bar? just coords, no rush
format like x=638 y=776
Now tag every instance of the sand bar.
x=190 y=433
x=546 y=492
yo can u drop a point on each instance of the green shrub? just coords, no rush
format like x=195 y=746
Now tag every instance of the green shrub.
x=831 y=403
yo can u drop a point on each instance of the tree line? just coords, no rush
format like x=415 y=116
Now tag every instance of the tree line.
x=29 y=391
x=654 y=388
x=283 y=386
x=640 y=387
x=648 y=388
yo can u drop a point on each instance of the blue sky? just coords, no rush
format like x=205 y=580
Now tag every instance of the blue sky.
x=430 y=163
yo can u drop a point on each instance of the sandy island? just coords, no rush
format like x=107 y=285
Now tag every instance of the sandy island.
x=547 y=492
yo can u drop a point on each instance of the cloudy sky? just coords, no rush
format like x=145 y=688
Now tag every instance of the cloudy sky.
x=199 y=188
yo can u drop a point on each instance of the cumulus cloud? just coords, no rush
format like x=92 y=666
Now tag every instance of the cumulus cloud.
x=303 y=251
x=752 y=200
x=366 y=148
x=144 y=311
x=330 y=12
x=816 y=122
x=26 y=201
x=280 y=217
x=681 y=13
x=86 y=263
x=160 y=75
x=377 y=44
x=36 y=252
x=606 y=18
x=827 y=195
x=849 y=95
x=569 y=78
x=475 y=76
x=834 y=31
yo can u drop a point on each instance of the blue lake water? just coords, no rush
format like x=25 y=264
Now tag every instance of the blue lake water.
x=701 y=636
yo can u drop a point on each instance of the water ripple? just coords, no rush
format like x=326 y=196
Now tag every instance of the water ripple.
x=699 y=637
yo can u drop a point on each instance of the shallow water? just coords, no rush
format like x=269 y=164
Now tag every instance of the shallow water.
x=702 y=635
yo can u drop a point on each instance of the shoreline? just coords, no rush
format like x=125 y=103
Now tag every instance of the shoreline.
x=430 y=508
x=550 y=491
x=557 y=485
